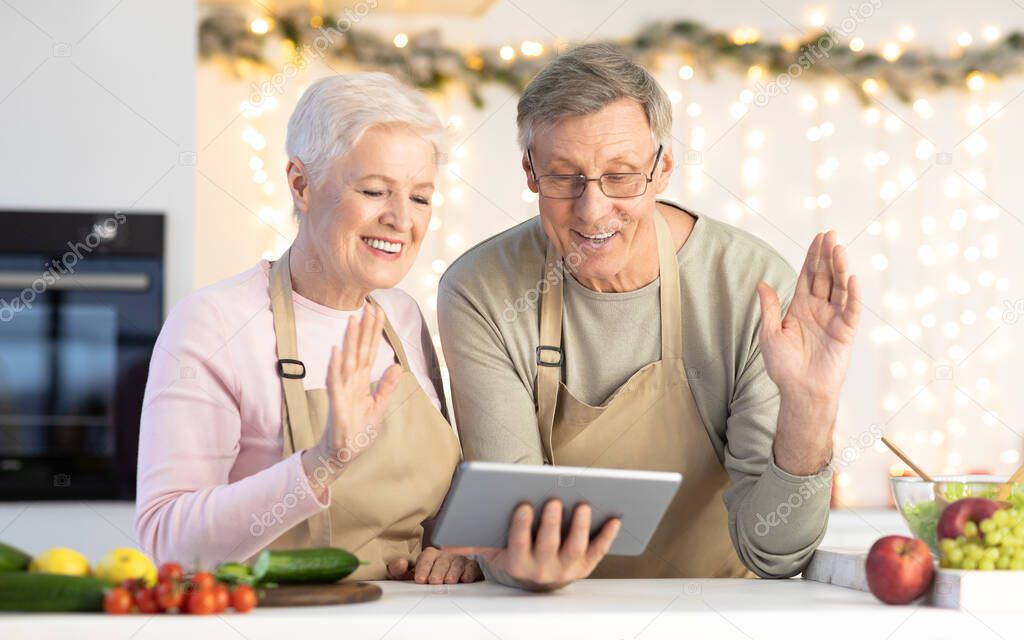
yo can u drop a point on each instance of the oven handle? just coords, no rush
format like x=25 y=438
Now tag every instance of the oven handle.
x=76 y=281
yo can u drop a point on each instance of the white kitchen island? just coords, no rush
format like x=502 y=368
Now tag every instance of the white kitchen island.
x=717 y=609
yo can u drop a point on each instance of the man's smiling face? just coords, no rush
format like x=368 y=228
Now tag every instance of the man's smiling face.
x=598 y=235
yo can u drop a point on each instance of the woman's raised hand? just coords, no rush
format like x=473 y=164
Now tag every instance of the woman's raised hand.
x=354 y=408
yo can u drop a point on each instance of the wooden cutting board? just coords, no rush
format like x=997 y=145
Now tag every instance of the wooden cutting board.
x=318 y=595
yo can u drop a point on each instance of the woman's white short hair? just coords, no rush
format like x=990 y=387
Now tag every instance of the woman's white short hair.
x=334 y=113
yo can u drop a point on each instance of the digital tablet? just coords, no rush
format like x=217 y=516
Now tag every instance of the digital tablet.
x=483 y=496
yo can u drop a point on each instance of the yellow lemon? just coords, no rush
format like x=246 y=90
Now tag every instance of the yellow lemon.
x=126 y=563
x=60 y=560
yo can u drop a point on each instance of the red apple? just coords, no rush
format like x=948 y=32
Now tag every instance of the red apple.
x=956 y=515
x=899 y=569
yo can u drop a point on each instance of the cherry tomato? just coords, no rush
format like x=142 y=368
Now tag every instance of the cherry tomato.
x=145 y=601
x=170 y=571
x=169 y=595
x=202 y=602
x=203 y=580
x=117 y=601
x=244 y=598
x=223 y=597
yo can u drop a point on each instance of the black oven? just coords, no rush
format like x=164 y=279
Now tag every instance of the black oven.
x=81 y=305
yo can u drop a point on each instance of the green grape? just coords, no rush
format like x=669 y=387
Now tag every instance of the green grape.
x=973 y=552
x=1018 y=530
x=1017 y=565
x=1003 y=563
x=969 y=564
x=987 y=525
x=986 y=565
x=992 y=553
x=970 y=529
x=993 y=539
x=956 y=556
x=1001 y=517
x=961 y=540
x=947 y=545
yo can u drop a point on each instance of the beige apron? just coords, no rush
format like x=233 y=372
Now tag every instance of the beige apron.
x=380 y=502
x=649 y=423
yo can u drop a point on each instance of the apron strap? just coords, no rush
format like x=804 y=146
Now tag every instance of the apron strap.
x=298 y=427
x=549 y=352
x=392 y=337
x=671 y=296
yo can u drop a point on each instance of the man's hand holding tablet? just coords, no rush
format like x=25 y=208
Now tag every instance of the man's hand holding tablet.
x=492 y=513
x=546 y=563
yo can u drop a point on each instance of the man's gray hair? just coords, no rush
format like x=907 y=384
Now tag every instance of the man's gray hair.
x=334 y=112
x=585 y=80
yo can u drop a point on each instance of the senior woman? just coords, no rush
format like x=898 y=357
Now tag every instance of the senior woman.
x=617 y=330
x=241 y=446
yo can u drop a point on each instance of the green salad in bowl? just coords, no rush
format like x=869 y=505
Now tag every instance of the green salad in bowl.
x=921 y=503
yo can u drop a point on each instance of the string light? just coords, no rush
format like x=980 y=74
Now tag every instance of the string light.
x=531 y=49
x=745 y=35
x=892 y=51
x=923 y=108
x=260 y=26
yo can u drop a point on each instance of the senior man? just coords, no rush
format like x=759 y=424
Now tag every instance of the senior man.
x=617 y=330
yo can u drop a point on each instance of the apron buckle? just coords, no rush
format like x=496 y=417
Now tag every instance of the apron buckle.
x=545 y=363
x=284 y=374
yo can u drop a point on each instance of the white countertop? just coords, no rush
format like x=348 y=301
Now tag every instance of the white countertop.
x=746 y=609
x=719 y=609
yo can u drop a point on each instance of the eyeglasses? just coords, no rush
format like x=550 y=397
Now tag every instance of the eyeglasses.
x=613 y=185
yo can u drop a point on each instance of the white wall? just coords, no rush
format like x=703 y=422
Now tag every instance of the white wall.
x=946 y=391
x=96 y=112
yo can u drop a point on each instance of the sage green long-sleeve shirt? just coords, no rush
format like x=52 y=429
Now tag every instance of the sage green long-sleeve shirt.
x=488 y=317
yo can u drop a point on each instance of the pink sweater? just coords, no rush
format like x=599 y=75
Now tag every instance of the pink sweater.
x=212 y=485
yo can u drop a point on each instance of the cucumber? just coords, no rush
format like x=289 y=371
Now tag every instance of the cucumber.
x=12 y=559
x=234 y=573
x=304 y=566
x=22 y=591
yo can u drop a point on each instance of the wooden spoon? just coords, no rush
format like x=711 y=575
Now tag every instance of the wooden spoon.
x=1004 y=491
x=938 y=489
x=906 y=459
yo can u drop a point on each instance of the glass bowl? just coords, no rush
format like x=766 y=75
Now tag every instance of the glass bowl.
x=916 y=499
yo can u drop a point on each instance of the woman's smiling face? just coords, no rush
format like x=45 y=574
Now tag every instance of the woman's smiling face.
x=616 y=139
x=368 y=217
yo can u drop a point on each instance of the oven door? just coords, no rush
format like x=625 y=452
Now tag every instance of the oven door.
x=74 y=357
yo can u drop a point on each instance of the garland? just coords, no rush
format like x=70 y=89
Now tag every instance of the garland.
x=423 y=60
